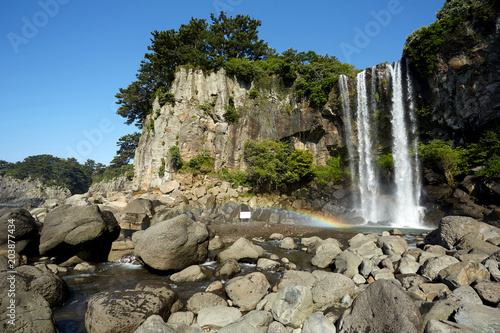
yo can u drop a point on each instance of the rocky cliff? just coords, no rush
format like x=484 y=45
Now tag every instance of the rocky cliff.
x=196 y=123
x=461 y=97
x=16 y=192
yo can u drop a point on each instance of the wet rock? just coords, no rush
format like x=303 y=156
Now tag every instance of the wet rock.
x=292 y=305
x=173 y=244
x=329 y=288
x=123 y=311
x=382 y=307
x=242 y=250
x=217 y=317
x=479 y=317
x=462 y=273
x=432 y=266
x=246 y=291
x=204 y=300
x=316 y=322
x=86 y=232
x=265 y=264
x=192 y=273
x=154 y=324
x=85 y=267
x=253 y=322
x=227 y=270
x=445 y=326
x=163 y=289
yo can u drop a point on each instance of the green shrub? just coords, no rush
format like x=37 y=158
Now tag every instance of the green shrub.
x=201 y=163
x=175 y=157
x=386 y=162
x=236 y=177
x=333 y=171
x=231 y=115
x=164 y=96
x=438 y=153
x=492 y=168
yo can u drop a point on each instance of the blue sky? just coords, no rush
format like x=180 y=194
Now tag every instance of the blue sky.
x=63 y=61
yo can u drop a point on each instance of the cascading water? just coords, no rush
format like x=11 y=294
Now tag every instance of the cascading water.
x=400 y=207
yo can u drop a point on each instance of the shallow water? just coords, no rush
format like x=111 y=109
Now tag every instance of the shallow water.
x=113 y=276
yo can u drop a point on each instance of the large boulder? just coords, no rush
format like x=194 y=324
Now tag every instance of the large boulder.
x=86 y=232
x=123 y=311
x=242 y=250
x=292 y=305
x=392 y=245
x=23 y=231
x=432 y=266
x=137 y=214
x=299 y=278
x=329 y=289
x=246 y=291
x=382 y=307
x=163 y=289
x=173 y=244
x=452 y=228
x=479 y=317
x=347 y=263
x=462 y=273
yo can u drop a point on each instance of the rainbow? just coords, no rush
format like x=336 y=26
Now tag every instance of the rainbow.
x=314 y=219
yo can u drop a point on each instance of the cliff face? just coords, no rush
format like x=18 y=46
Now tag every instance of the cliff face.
x=17 y=192
x=462 y=95
x=196 y=123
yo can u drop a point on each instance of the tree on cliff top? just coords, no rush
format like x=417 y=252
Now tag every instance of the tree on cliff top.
x=197 y=44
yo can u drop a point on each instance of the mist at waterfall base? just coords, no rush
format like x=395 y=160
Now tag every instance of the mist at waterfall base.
x=383 y=92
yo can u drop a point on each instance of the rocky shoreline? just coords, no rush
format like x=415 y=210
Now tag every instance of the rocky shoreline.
x=448 y=282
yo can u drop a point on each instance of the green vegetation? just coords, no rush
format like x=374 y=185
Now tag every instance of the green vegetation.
x=332 y=172
x=236 y=177
x=386 y=162
x=231 y=115
x=175 y=157
x=460 y=160
x=126 y=149
x=202 y=163
x=54 y=171
x=451 y=34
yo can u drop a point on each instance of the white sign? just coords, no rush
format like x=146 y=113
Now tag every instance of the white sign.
x=245 y=215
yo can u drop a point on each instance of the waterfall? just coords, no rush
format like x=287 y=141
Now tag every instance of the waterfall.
x=399 y=206
x=368 y=183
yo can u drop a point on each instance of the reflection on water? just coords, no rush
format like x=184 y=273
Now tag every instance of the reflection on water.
x=120 y=276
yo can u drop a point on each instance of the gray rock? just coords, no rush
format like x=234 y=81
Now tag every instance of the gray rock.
x=123 y=311
x=253 y=322
x=317 y=323
x=392 y=245
x=366 y=267
x=432 y=266
x=287 y=243
x=217 y=317
x=51 y=287
x=24 y=228
x=246 y=291
x=462 y=273
x=324 y=258
x=479 y=317
x=227 y=269
x=330 y=289
x=408 y=265
x=292 y=305
x=264 y=264
x=472 y=242
x=154 y=324
x=453 y=228
x=215 y=244
x=347 y=263
x=277 y=327
x=445 y=326
x=300 y=278
x=173 y=244
x=86 y=232
x=163 y=289
x=242 y=250
x=203 y=300
x=169 y=187
x=438 y=310
x=467 y=294
x=493 y=268
x=192 y=273
x=184 y=317
x=136 y=215
x=382 y=307
x=411 y=280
